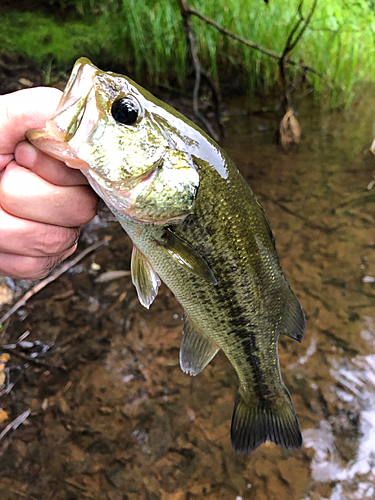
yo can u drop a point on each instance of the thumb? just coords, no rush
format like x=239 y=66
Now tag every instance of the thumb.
x=24 y=110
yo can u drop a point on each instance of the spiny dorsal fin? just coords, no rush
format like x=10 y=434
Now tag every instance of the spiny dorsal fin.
x=262 y=420
x=186 y=256
x=293 y=320
x=196 y=351
x=144 y=278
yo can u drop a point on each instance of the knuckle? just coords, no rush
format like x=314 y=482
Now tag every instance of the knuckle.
x=57 y=239
x=45 y=266
x=7 y=191
x=89 y=205
x=31 y=267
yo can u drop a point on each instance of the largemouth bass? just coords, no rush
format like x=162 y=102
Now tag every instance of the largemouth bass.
x=197 y=226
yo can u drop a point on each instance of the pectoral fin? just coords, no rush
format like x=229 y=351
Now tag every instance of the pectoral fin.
x=144 y=278
x=186 y=256
x=196 y=351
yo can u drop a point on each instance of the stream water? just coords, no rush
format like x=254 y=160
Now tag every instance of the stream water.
x=111 y=414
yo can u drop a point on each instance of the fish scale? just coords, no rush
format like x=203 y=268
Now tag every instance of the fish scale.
x=196 y=225
x=224 y=312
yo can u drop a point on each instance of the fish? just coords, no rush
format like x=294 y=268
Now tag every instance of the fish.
x=197 y=226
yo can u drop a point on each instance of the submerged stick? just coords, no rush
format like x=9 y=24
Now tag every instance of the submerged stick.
x=308 y=222
x=38 y=362
x=42 y=284
x=16 y=423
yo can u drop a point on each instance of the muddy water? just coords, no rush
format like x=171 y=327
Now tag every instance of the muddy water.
x=111 y=414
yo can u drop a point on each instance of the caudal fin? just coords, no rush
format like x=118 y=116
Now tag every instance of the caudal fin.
x=264 y=420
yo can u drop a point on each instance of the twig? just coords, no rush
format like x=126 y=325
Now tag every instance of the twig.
x=23 y=494
x=119 y=299
x=312 y=225
x=249 y=43
x=290 y=44
x=292 y=41
x=16 y=423
x=29 y=359
x=86 y=493
x=199 y=72
x=356 y=199
x=12 y=427
x=42 y=284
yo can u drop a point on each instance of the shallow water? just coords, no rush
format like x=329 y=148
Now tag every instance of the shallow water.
x=112 y=415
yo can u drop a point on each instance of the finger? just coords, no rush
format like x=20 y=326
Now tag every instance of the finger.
x=27 y=196
x=32 y=268
x=4 y=160
x=24 y=110
x=48 y=168
x=34 y=239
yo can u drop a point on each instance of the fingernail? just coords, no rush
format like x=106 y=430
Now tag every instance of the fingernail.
x=25 y=154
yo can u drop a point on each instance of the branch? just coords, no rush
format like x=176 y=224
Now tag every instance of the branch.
x=52 y=277
x=249 y=43
x=290 y=43
x=29 y=359
x=309 y=223
x=199 y=72
x=290 y=131
x=16 y=423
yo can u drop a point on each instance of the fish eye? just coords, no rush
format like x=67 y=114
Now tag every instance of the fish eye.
x=125 y=111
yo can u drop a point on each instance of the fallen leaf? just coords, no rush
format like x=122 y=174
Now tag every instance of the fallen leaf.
x=3 y=416
x=290 y=130
x=26 y=82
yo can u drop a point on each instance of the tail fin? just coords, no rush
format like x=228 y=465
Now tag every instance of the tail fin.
x=264 y=420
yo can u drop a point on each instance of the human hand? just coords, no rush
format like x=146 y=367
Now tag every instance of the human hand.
x=43 y=202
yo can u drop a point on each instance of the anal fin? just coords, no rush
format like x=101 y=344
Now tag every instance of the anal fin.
x=144 y=278
x=293 y=321
x=196 y=351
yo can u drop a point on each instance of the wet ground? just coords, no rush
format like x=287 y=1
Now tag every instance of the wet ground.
x=112 y=416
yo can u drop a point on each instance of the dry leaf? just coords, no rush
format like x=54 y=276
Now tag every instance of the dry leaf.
x=290 y=130
x=3 y=416
x=26 y=82
x=5 y=293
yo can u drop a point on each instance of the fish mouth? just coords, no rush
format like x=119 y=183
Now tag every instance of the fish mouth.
x=65 y=122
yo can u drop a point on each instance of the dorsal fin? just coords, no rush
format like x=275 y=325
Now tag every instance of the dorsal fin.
x=186 y=256
x=196 y=351
x=144 y=278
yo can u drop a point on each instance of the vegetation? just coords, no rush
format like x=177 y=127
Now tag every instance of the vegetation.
x=147 y=39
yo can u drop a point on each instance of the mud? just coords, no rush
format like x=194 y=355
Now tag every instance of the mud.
x=111 y=414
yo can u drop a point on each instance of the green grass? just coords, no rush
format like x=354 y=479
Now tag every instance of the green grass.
x=147 y=40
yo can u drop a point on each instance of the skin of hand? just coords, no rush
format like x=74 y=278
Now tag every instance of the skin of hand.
x=43 y=203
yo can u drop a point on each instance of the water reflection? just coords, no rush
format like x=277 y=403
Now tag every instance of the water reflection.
x=356 y=389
